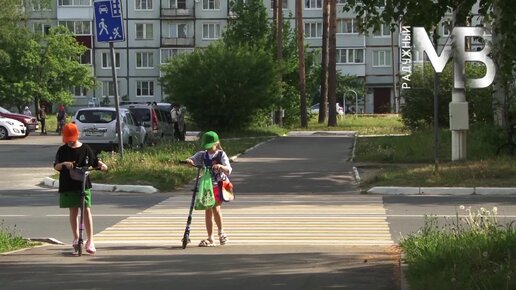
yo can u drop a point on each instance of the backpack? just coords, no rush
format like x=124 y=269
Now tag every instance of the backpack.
x=225 y=186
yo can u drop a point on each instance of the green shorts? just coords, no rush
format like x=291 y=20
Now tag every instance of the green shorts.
x=73 y=199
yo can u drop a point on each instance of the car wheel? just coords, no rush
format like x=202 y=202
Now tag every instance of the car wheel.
x=3 y=133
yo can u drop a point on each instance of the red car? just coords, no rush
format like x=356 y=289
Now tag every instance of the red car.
x=29 y=121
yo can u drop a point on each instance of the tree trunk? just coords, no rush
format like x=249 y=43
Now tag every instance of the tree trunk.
x=324 y=64
x=279 y=54
x=332 y=66
x=301 y=55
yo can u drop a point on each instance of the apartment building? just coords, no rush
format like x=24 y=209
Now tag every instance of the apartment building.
x=159 y=29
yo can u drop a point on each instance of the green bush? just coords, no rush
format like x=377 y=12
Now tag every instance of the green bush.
x=473 y=252
x=222 y=87
x=418 y=110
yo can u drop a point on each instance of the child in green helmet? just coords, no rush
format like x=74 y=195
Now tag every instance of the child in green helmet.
x=213 y=156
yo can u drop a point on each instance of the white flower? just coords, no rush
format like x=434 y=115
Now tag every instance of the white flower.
x=461 y=206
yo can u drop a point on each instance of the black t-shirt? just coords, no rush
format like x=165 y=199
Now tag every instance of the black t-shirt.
x=77 y=155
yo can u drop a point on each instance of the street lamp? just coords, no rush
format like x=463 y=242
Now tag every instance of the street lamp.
x=344 y=101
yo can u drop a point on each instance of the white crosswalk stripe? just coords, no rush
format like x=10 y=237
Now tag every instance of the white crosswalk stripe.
x=265 y=220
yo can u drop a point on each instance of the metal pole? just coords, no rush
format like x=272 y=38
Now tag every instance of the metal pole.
x=117 y=103
x=344 y=105
x=356 y=103
x=436 y=122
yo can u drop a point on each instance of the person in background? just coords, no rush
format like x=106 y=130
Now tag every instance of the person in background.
x=61 y=118
x=42 y=116
x=26 y=111
x=178 y=119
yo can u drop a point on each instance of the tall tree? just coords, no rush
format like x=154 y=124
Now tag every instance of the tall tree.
x=279 y=53
x=43 y=69
x=428 y=13
x=301 y=56
x=249 y=25
x=332 y=65
x=323 y=106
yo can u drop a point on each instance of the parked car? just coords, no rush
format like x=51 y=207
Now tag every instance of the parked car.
x=148 y=117
x=98 y=128
x=165 y=118
x=315 y=109
x=31 y=123
x=11 y=128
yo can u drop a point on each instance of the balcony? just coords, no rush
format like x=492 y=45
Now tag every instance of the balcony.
x=177 y=13
x=177 y=41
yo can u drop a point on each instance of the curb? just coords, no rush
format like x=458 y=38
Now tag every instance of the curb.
x=394 y=190
x=50 y=182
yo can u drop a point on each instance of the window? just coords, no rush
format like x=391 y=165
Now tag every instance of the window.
x=313 y=29
x=144 y=88
x=382 y=31
x=145 y=60
x=211 y=31
x=445 y=28
x=143 y=4
x=85 y=58
x=39 y=27
x=178 y=30
x=210 y=4
x=181 y=4
x=381 y=58
x=79 y=91
x=313 y=4
x=284 y=4
x=350 y=55
x=77 y=27
x=74 y=3
x=346 y=25
x=106 y=60
x=168 y=53
x=144 y=31
x=41 y=5
x=108 y=88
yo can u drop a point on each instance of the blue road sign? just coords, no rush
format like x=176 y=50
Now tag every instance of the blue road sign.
x=108 y=21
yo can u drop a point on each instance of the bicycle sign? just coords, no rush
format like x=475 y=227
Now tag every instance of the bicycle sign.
x=108 y=21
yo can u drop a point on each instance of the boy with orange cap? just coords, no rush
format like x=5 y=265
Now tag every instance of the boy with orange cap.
x=75 y=154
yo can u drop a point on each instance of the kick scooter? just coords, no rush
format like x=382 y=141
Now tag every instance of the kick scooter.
x=186 y=236
x=80 y=243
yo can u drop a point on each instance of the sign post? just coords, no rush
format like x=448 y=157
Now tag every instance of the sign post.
x=109 y=28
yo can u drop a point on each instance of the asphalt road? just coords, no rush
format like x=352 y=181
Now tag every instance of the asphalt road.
x=297 y=181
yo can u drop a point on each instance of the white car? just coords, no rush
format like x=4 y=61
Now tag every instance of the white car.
x=11 y=128
x=315 y=109
x=98 y=128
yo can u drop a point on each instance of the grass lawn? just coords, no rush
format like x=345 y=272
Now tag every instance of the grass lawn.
x=409 y=160
x=10 y=240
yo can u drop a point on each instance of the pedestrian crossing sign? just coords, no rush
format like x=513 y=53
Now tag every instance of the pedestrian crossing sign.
x=108 y=21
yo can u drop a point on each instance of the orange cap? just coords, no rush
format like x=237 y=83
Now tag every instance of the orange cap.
x=70 y=133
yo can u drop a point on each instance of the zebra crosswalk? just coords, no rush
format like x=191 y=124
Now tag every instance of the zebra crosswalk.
x=262 y=220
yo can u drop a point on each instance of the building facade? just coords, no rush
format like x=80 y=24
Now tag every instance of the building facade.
x=156 y=30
